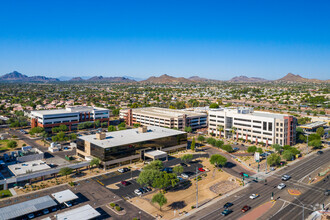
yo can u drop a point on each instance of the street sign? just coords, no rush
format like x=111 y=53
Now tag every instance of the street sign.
x=257 y=156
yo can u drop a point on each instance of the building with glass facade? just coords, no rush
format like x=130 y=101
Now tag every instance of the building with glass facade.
x=125 y=146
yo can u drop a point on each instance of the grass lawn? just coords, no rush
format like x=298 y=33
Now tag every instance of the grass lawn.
x=5 y=193
x=3 y=145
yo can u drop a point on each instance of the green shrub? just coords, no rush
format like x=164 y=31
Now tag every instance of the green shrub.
x=118 y=208
x=112 y=204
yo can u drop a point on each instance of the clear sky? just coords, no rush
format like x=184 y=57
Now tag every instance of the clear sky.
x=214 y=39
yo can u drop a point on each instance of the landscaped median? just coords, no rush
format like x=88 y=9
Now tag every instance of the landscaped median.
x=116 y=209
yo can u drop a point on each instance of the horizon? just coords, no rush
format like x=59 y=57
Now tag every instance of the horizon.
x=214 y=39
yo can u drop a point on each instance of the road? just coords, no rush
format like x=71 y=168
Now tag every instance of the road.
x=310 y=193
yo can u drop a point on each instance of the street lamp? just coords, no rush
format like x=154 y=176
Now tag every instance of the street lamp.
x=303 y=217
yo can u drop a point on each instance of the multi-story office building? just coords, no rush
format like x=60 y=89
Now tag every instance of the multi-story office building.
x=256 y=126
x=70 y=116
x=169 y=118
x=127 y=146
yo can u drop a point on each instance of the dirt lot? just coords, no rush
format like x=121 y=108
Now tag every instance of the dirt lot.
x=216 y=182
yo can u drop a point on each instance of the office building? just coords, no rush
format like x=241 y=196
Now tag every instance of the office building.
x=70 y=116
x=127 y=146
x=162 y=117
x=255 y=126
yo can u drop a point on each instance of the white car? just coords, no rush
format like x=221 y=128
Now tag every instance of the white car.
x=281 y=186
x=254 y=196
x=285 y=177
x=138 y=192
x=68 y=204
x=184 y=175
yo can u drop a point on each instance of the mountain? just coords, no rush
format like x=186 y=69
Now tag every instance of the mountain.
x=297 y=78
x=19 y=77
x=245 y=79
x=166 y=79
x=77 y=79
x=110 y=79
x=199 y=79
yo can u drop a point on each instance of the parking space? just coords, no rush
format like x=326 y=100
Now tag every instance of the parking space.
x=126 y=191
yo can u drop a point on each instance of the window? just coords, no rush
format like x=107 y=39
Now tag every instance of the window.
x=277 y=124
x=257 y=122
x=270 y=126
x=264 y=126
x=281 y=124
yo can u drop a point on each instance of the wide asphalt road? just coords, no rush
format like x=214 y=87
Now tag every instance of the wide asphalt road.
x=297 y=171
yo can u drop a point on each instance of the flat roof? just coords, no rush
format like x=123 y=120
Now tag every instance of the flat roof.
x=29 y=166
x=166 y=112
x=130 y=136
x=64 y=196
x=23 y=208
x=83 y=212
x=313 y=125
x=155 y=153
x=67 y=110
x=253 y=113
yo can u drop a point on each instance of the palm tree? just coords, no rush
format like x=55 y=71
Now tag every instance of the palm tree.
x=233 y=130
x=220 y=129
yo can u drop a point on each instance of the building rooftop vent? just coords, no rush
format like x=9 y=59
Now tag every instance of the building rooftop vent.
x=142 y=129
x=100 y=136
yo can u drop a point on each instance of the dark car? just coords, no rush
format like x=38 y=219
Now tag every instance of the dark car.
x=125 y=183
x=228 y=204
x=320 y=152
x=168 y=170
x=327 y=192
x=147 y=189
x=246 y=208
x=142 y=190
x=226 y=212
x=183 y=164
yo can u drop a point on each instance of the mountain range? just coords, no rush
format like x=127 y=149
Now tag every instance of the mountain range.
x=289 y=78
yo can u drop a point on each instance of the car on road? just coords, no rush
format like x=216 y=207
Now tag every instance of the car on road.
x=123 y=170
x=183 y=164
x=285 y=177
x=327 y=192
x=246 y=208
x=201 y=169
x=254 y=196
x=281 y=186
x=244 y=174
x=320 y=152
x=45 y=211
x=125 y=183
x=31 y=216
x=228 y=204
x=226 y=212
x=138 y=192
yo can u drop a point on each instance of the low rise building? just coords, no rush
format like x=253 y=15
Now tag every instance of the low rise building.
x=126 y=146
x=70 y=116
x=162 y=117
x=256 y=126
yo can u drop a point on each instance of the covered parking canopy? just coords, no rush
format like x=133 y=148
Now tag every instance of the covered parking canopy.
x=156 y=154
x=83 y=212
x=24 y=208
x=64 y=196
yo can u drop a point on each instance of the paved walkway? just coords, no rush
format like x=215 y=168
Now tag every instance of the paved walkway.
x=258 y=212
x=12 y=191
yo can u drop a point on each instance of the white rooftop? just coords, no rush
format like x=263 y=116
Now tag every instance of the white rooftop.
x=70 y=109
x=166 y=112
x=64 y=196
x=29 y=166
x=156 y=153
x=82 y=213
x=130 y=136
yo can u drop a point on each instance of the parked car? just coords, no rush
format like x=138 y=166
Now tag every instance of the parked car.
x=228 y=204
x=201 y=169
x=246 y=208
x=168 y=170
x=183 y=164
x=138 y=192
x=31 y=216
x=285 y=177
x=320 y=152
x=123 y=170
x=272 y=168
x=185 y=175
x=45 y=211
x=236 y=149
x=125 y=183
x=68 y=204
x=281 y=186
x=254 y=196
x=54 y=209
x=142 y=190
x=146 y=189
x=226 y=212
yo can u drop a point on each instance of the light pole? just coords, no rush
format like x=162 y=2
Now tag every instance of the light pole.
x=307 y=144
x=196 y=188
x=303 y=213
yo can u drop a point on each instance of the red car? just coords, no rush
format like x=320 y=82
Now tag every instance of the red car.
x=125 y=183
x=201 y=169
x=246 y=208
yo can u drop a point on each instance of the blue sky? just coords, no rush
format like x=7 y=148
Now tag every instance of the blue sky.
x=213 y=39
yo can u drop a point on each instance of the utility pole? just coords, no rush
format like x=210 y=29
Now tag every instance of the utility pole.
x=266 y=165
x=307 y=144
x=196 y=188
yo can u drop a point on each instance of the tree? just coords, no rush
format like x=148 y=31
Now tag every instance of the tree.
x=188 y=129
x=94 y=162
x=154 y=165
x=217 y=159
x=201 y=138
x=192 y=146
x=277 y=148
x=227 y=148
x=273 y=159
x=233 y=130
x=112 y=128
x=313 y=137
x=160 y=199
x=178 y=169
x=165 y=180
x=259 y=150
x=147 y=177
x=219 y=143
x=73 y=136
x=211 y=141
x=320 y=131
x=214 y=105
x=65 y=171
x=287 y=155
x=187 y=157
x=252 y=149
x=122 y=125
x=316 y=144
x=97 y=123
x=220 y=129
x=12 y=144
